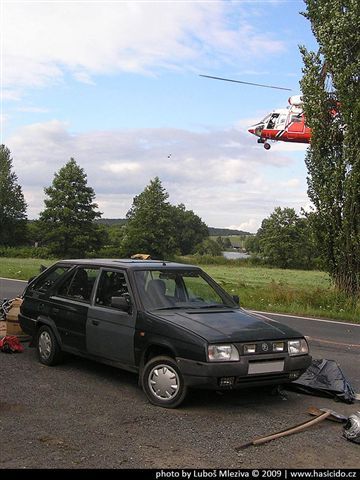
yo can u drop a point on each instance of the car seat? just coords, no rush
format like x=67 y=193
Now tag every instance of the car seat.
x=156 y=290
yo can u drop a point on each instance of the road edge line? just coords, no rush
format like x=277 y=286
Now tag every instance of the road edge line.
x=314 y=319
x=13 y=279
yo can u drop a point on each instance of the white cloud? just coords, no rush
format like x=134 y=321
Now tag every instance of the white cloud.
x=291 y=183
x=251 y=225
x=123 y=168
x=237 y=185
x=42 y=41
x=32 y=109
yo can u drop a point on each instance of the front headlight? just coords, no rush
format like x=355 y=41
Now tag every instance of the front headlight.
x=298 y=347
x=223 y=353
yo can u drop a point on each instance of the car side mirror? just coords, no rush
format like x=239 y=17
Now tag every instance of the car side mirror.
x=236 y=299
x=122 y=303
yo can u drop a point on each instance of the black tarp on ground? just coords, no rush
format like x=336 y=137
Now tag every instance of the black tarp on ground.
x=324 y=378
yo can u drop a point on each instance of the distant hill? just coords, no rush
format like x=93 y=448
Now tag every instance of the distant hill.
x=213 y=231
x=225 y=232
x=111 y=221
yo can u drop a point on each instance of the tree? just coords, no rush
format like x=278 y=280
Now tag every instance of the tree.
x=68 y=219
x=284 y=240
x=227 y=243
x=150 y=228
x=331 y=90
x=251 y=244
x=209 y=247
x=190 y=230
x=12 y=203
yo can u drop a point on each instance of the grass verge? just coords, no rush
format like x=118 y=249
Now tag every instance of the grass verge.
x=22 y=268
x=298 y=292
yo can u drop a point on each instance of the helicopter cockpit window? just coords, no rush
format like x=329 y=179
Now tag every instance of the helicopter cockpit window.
x=266 y=119
x=272 y=121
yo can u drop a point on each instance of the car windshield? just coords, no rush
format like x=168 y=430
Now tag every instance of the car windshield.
x=164 y=289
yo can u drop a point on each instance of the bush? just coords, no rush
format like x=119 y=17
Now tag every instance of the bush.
x=218 y=260
x=25 y=252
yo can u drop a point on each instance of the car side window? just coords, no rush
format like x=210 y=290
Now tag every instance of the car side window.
x=111 y=284
x=46 y=281
x=79 y=285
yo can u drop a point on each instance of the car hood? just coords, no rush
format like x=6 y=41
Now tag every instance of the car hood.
x=224 y=325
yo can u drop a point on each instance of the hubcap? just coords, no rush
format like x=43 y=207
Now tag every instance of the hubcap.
x=45 y=345
x=164 y=382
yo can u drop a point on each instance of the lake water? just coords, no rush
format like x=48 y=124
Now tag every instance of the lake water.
x=235 y=255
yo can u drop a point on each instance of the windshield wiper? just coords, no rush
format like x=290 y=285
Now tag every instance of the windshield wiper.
x=194 y=307
x=171 y=308
x=214 y=305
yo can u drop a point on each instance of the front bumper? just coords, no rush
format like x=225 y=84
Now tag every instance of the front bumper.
x=210 y=375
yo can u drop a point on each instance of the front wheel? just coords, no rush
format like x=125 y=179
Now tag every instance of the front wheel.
x=47 y=346
x=163 y=382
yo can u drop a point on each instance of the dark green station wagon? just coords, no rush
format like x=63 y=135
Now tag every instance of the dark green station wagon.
x=170 y=323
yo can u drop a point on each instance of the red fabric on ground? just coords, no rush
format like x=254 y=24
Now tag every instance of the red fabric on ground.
x=11 y=344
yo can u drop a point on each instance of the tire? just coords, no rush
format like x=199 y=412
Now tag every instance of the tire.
x=48 y=348
x=163 y=382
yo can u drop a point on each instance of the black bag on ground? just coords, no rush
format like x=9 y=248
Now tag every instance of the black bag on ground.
x=324 y=378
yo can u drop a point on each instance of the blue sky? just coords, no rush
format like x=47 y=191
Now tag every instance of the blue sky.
x=116 y=85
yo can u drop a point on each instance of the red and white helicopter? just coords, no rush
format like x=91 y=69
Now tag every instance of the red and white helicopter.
x=283 y=124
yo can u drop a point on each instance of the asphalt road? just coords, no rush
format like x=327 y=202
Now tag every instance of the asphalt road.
x=11 y=288
x=81 y=414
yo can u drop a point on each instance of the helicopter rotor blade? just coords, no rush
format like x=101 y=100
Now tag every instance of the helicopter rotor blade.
x=246 y=83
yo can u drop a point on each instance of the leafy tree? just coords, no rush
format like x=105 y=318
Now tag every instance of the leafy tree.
x=209 y=247
x=114 y=234
x=252 y=244
x=12 y=203
x=219 y=240
x=284 y=240
x=224 y=243
x=331 y=90
x=35 y=232
x=190 y=230
x=68 y=218
x=227 y=243
x=150 y=228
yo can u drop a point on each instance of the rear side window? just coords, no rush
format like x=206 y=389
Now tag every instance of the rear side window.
x=111 y=284
x=48 y=280
x=79 y=285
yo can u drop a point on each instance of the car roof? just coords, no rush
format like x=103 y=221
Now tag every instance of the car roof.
x=128 y=263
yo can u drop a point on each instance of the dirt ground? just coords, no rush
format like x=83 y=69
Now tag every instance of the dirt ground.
x=86 y=415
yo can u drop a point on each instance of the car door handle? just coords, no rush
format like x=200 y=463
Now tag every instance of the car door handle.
x=95 y=322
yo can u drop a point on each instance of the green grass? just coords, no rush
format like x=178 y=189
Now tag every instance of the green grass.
x=299 y=292
x=22 y=268
x=260 y=276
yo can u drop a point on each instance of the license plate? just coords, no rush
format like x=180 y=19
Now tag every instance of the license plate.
x=266 y=367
